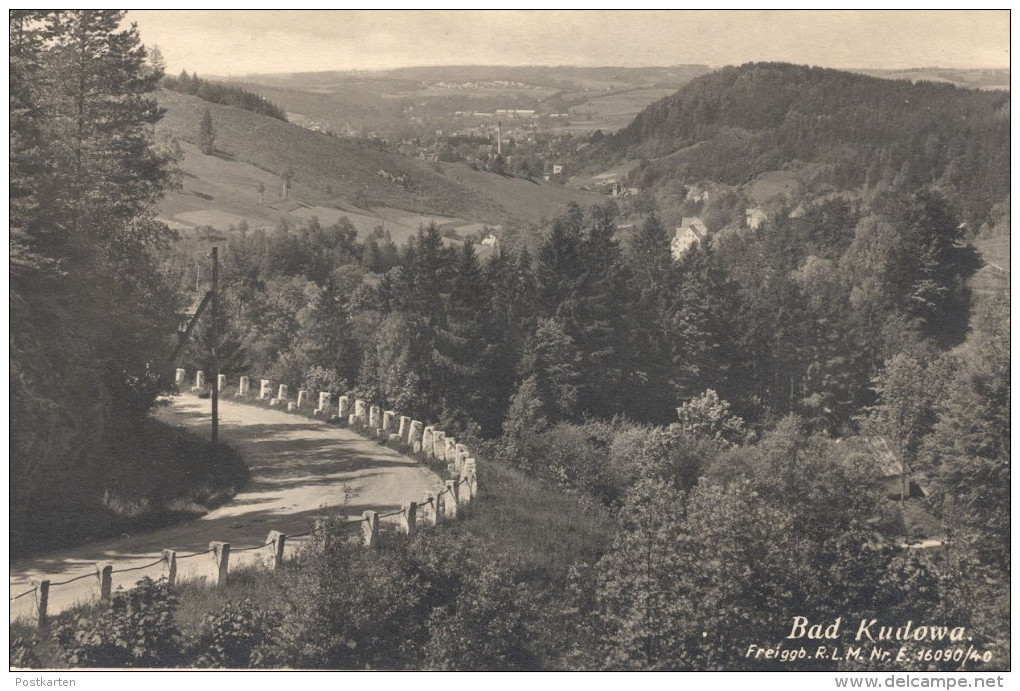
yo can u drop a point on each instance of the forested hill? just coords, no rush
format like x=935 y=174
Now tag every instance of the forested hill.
x=738 y=122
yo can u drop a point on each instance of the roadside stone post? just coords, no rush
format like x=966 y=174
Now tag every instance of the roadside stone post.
x=44 y=600
x=427 y=438
x=278 y=540
x=343 y=407
x=221 y=382
x=409 y=518
x=404 y=428
x=360 y=412
x=387 y=421
x=170 y=557
x=414 y=432
x=104 y=572
x=438 y=445
x=464 y=495
x=221 y=555
x=179 y=376
x=282 y=393
x=429 y=509
x=450 y=500
x=301 y=396
x=243 y=385
x=200 y=379
x=370 y=528
x=265 y=389
x=471 y=470
x=291 y=406
x=323 y=408
x=374 y=418
x=450 y=453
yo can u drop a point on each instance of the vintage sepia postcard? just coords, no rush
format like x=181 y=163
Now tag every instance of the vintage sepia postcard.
x=510 y=340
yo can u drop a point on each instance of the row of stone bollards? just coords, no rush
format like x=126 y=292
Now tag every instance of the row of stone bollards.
x=384 y=425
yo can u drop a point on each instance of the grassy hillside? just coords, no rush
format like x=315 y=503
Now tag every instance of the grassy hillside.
x=331 y=177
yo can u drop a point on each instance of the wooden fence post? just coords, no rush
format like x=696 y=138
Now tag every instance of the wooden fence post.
x=221 y=555
x=104 y=571
x=409 y=518
x=370 y=528
x=170 y=557
x=44 y=599
x=450 y=500
x=279 y=540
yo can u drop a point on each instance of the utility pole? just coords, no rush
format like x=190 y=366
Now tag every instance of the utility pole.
x=215 y=340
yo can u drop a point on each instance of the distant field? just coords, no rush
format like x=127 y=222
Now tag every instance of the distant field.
x=610 y=111
x=529 y=200
x=994 y=276
x=606 y=176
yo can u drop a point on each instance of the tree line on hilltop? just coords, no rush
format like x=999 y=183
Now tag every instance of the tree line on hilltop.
x=738 y=122
x=223 y=94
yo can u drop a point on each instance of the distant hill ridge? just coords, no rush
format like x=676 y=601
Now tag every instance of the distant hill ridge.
x=739 y=122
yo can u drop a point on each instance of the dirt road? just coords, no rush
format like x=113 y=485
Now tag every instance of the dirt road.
x=297 y=467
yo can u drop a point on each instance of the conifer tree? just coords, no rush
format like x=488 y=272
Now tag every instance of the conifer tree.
x=207 y=134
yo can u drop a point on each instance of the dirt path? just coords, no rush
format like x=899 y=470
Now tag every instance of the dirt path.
x=297 y=466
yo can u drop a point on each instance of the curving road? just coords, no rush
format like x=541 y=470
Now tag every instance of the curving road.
x=297 y=466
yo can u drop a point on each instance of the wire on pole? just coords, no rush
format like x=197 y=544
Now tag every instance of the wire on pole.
x=27 y=592
x=139 y=568
x=72 y=580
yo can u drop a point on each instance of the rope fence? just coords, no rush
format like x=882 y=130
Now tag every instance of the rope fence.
x=27 y=592
x=72 y=580
x=139 y=568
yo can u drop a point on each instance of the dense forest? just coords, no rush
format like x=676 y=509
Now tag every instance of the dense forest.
x=224 y=94
x=738 y=122
x=699 y=447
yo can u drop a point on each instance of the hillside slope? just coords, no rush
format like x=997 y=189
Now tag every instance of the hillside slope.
x=331 y=177
x=735 y=124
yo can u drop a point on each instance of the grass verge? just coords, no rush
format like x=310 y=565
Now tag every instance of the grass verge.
x=154 y=477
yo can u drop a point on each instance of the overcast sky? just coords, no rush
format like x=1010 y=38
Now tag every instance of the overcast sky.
x=224 y=42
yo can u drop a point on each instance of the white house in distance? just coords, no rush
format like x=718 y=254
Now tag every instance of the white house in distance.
x=754 y=218
x=692 y=230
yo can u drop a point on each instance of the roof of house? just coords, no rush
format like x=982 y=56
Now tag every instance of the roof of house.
x=695 y=224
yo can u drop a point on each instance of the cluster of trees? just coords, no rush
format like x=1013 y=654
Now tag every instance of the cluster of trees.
x=92 y=314
x=763 y=116
x=797 y=317
x=224 y=94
